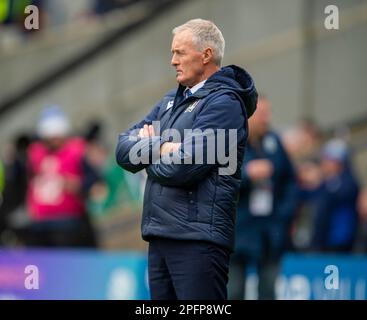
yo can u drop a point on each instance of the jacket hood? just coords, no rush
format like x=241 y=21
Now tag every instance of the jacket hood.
x=238 y=80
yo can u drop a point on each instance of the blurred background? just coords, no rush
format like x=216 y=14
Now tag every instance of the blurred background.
x=95 y=67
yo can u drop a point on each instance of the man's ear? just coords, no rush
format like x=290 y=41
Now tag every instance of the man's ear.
x=207 y=55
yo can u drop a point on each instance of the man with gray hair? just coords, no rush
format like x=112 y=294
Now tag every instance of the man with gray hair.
x=189 y=208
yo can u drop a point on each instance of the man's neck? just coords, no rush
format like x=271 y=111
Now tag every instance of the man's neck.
x=197 y=86
x=208 y=72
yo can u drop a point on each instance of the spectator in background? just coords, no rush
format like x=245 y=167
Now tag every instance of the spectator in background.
x=2 y=217
x=15 y=188
x=96 y=152
x=302 y=141
x=267 y=203
x=309 y=178
x=335 y=225
x=2 y=180
x=60 y=178
x=97 y=157
x=362 y=211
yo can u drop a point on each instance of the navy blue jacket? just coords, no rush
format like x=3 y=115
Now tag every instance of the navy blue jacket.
x=255 y=234
x=193 y=201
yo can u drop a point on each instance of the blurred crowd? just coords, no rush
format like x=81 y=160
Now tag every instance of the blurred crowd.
x=330 y=215
x=54 y=182
x=299 y=193
x=299 y=188
x=57 y=13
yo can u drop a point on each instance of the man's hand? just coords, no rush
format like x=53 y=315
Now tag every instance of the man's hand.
x=146 y=132
x=259 y=170
x=168 y=147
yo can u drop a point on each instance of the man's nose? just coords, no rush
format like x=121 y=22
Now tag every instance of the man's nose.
x=174 y=61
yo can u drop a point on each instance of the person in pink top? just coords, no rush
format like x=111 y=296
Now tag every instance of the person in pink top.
x=59 y=179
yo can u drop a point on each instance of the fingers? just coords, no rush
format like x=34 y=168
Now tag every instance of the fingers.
x=169 y=147
x=147 y=131
x=164 y=148
x=175 y=146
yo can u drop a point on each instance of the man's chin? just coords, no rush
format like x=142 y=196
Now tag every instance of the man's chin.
x=181 y=81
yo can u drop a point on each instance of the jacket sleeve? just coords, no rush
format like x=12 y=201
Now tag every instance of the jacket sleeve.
x=202 y=145
x=134 y=153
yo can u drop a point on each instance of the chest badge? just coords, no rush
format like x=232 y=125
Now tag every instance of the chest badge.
x=169 y=105
x=192 y=106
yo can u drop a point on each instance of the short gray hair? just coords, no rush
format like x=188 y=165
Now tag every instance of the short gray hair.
x=205 y=34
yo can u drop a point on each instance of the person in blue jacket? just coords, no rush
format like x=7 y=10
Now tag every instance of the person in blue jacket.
x=268 y=200
x=190 y=201
x=335 y=201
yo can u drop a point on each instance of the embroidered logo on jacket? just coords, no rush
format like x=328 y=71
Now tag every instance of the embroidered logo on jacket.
x=169 y=104
x=192 y=106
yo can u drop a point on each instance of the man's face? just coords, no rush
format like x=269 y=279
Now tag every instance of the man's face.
x=54 y=143
x=259 y=123
x=188 y=61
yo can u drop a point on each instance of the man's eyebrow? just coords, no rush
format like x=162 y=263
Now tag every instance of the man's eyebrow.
x=177 y=50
